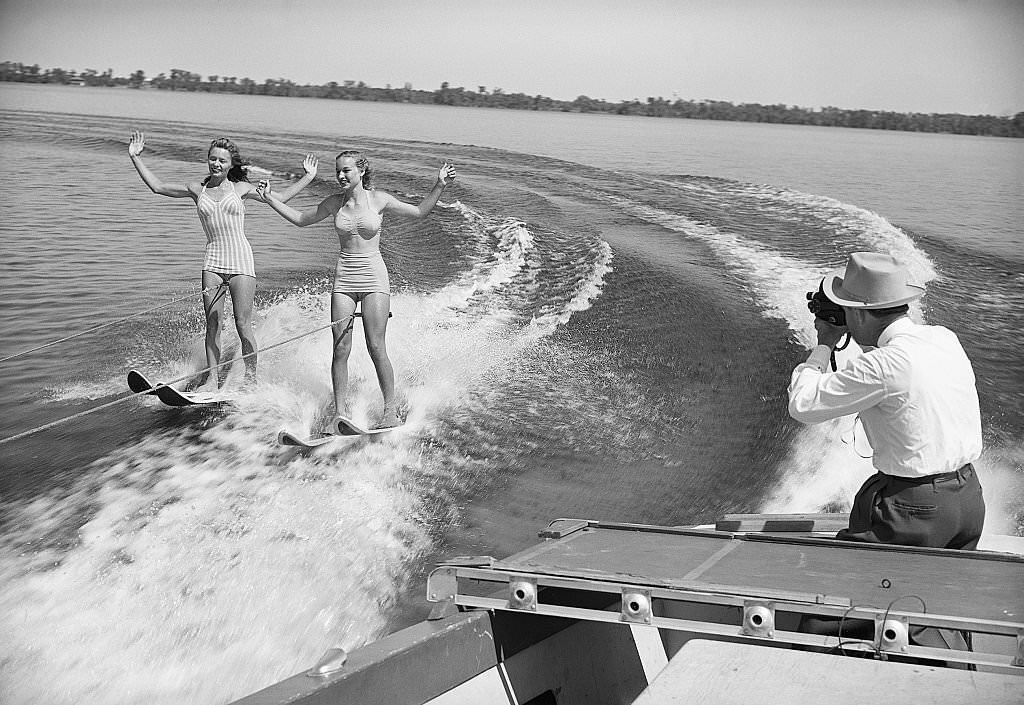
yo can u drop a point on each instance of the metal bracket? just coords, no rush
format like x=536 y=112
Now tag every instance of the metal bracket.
x=470 y=561
x=758 y=619
x=636 y=605
x=560 y=528
x=522 y=594
x=893 y=634
x=442 y=609
x=1019 y=660
x=331 y=662
x=442 y=584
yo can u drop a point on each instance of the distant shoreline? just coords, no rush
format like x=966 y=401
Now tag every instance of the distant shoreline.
x=180 y=80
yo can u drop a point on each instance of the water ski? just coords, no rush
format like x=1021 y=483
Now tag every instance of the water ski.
x=345 y=426
x=137 y=382
x=287 y=438
x=170 y=396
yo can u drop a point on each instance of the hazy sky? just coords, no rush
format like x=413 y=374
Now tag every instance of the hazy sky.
x=962 y=56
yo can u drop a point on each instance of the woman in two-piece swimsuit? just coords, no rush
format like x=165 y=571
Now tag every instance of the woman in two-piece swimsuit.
x=360 y=278
x=229 y=262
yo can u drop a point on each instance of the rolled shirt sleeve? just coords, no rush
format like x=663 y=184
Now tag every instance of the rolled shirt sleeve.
x=816 y=395
x=915 y=395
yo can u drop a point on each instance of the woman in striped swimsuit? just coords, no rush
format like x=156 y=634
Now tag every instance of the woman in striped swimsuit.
x=229 y=262
x=360 y=276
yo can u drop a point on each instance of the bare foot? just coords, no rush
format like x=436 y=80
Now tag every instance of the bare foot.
x=208 y=388
x=390 y=419
x=201 y=383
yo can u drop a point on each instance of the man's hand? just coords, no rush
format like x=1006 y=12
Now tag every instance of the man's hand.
x=828 y=334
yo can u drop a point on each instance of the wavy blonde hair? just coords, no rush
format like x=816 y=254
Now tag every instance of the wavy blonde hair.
x=362 y=162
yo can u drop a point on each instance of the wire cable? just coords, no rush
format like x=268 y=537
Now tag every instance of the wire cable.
x=348 y=320
x=107 y=325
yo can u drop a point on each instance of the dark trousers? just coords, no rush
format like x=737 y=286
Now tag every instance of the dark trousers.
x=939 y=511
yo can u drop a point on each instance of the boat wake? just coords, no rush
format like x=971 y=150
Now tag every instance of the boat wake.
x=192 y=559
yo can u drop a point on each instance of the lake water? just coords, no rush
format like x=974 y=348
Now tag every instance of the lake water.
x=599 y=321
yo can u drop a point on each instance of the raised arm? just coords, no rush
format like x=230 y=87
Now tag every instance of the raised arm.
x=393 y=205
x=135 y=146
x=309 y=165
x=300 y=218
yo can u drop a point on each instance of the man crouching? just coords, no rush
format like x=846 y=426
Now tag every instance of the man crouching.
x=914 y=391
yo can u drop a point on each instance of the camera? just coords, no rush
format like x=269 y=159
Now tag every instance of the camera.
x=824 y=308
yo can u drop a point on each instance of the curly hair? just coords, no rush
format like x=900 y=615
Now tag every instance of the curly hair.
x=237 y=171
x=362 y=163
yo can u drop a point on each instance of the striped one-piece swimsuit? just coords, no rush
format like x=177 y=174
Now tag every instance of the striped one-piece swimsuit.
x=227 y=250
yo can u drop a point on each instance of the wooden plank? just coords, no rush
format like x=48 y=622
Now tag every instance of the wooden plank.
x=650 y=648
x=724 y=551
x=560 y=528
x=595 y=552
x=823 y=522
x=968 y=584
x=937 y=582
x=727 y=673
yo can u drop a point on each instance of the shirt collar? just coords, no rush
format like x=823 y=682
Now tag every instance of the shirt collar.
x=900 y=325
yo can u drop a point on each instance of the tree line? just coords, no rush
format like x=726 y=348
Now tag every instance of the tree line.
x=182 y=80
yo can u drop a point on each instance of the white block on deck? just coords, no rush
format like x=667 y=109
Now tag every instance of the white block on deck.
x=727 y=673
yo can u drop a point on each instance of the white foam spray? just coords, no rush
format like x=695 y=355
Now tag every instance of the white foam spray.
x=206 y=561
x=823 y=469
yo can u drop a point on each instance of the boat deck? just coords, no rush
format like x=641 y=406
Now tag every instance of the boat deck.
x=972 y=585
x=628 y=614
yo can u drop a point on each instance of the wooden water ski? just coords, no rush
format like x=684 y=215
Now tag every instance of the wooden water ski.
x=345 y=426
x=287 y=438
x=170 y=396
x=138 y=383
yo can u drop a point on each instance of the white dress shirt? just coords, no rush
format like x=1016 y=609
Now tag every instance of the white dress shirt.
x=915 y=394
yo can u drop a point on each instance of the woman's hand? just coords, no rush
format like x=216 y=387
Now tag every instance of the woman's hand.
x=446 y=173
x=309 y=164
x=136 y=144
x=263 y=190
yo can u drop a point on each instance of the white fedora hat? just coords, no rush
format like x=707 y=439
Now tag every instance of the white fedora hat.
x=871 y=280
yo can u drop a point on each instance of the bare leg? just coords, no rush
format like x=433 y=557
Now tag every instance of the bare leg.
x=342 y=309
x=213 y=305
x=243 y=292
x=375 y=324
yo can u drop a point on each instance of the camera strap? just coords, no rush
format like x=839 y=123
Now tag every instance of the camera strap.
x=832 y=352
